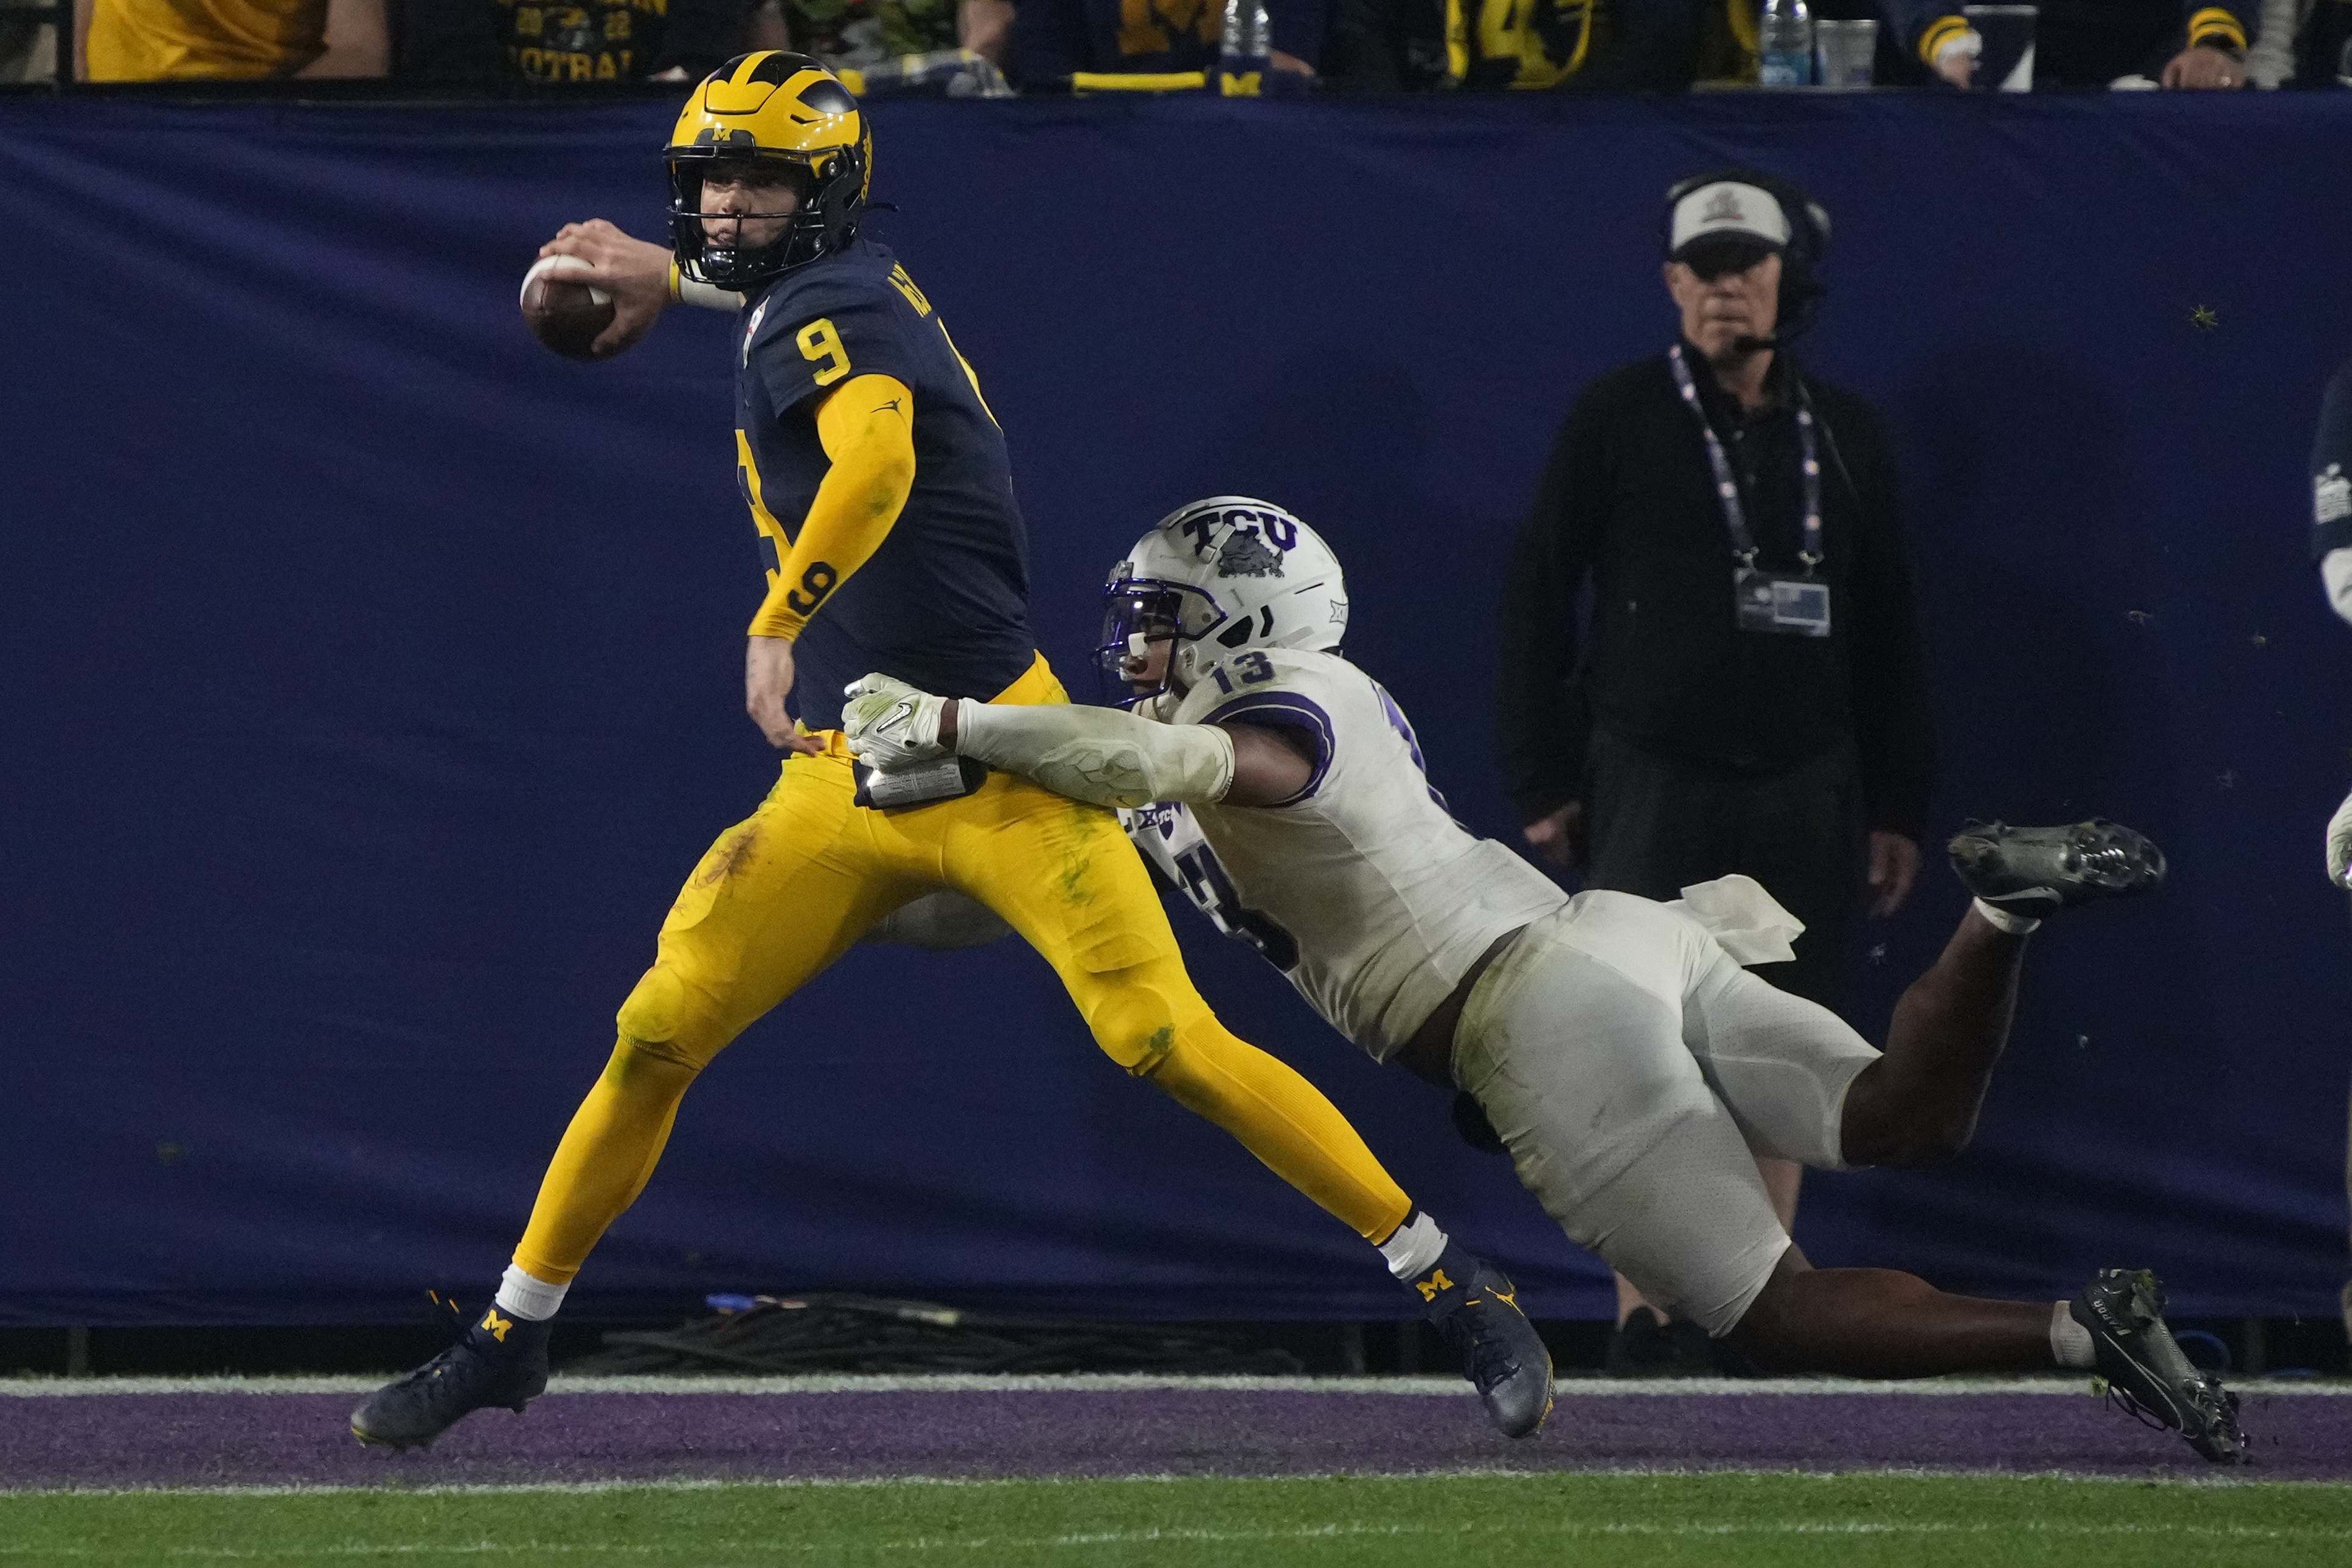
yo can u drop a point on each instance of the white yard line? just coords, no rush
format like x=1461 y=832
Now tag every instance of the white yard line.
x=2232 y=1479
x=1297 y=1535
x=1121 y=1383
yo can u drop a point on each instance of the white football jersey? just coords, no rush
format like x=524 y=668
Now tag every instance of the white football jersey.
x=1363 y=888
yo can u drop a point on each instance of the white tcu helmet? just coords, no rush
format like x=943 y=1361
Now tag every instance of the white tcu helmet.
x=1220 y=575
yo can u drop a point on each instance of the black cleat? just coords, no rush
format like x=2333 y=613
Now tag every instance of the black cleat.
x=2037 y=871
x=1477 y=1308
x=500 y=1361
x=2145 y=1370
x=1649 y=1345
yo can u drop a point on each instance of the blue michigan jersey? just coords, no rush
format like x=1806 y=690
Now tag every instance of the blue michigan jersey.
x=943 y=603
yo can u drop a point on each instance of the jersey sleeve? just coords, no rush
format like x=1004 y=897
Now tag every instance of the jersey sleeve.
x=1280 y=690
x=829 y=334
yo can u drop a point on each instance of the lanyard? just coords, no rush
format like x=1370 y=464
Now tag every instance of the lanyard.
x=1727 y=490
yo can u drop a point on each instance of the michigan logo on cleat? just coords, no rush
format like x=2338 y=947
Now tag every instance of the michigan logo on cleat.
x=1244 y=554
x=1430 y=1287
x=497 y=1325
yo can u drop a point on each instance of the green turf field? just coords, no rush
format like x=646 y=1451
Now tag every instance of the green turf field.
x=1721 y=1520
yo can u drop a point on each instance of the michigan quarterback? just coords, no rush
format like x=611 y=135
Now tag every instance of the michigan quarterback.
x=1626 y=1058
x=880 y=487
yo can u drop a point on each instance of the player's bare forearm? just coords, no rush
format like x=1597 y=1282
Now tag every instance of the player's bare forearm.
x=767 y=684
x=867 y=427
x=635 y=272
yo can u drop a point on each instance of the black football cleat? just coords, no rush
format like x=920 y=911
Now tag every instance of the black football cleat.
x=1648 y=1345
x=2037 y=871
x=1476 y=1311
x=500 y=1361
x=2145 y=1370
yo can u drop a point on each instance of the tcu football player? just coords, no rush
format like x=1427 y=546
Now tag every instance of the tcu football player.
x=1630 y=1063
x=882 y=495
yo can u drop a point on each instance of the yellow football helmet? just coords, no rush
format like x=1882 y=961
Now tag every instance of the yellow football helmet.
x=785 y=111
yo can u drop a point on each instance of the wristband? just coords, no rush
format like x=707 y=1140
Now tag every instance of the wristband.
x=1947 y=35
x=693 y=291
x=2215 y=28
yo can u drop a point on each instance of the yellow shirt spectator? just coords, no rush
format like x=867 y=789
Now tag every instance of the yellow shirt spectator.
x=181 y=40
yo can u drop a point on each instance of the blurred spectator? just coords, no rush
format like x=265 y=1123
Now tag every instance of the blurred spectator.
x=2270 y=59
x=620 y=40
x=1054 y=40
x=1748 y=696
x=190 y=40
x=1385 y=45
x=858 y=35
x=2191 y=44
x=29 y=49
x=2323 y=45
x=1598 y=45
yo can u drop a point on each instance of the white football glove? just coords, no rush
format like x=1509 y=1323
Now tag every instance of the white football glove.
x=2339 y=845
x=890 y=724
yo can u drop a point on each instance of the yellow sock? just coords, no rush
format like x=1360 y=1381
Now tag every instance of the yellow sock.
x=606 y=1156
x=1284 y=1121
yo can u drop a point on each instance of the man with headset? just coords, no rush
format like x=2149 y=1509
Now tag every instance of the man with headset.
x=1745 y=694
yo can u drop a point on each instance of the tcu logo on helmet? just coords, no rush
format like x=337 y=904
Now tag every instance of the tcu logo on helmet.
x=1249 y=542
x=1215 y=578
x=1246 y=555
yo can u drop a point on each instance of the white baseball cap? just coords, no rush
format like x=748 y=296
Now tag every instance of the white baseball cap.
x=1728 y=207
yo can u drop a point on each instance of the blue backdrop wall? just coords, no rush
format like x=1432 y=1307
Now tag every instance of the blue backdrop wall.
x=374 y=675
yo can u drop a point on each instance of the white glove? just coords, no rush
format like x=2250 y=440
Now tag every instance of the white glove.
x=2339 y=845
x=890 y=724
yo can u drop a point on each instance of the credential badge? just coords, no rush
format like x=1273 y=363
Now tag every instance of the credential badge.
x=2331 y=495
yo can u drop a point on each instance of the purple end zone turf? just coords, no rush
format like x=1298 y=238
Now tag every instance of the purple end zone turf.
x=214 y=1439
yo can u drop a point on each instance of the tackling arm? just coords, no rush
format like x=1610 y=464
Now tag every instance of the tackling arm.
x=1095 y=755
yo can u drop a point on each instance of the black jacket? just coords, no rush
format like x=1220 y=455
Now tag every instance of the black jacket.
x=1628 y=504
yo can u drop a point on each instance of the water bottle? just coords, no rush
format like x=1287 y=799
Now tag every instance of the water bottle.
x=1784 y=37
x=1242 y=47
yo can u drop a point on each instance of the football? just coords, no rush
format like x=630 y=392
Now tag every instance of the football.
x=565 y=316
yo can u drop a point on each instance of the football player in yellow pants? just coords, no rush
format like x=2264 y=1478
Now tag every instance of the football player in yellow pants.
x=859 y=422
x=783 y=895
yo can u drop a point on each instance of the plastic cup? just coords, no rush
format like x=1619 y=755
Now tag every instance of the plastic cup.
x=2007 y=63
x=1847 y=51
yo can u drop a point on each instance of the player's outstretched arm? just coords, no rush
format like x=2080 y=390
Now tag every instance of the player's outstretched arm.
x=635 y=272
x=1095 y=755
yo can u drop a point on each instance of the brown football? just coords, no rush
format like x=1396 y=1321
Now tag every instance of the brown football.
x=566 y=317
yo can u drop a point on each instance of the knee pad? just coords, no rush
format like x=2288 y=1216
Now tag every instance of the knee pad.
x=664 y=1017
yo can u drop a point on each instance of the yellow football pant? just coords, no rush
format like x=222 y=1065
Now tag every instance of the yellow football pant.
x=781 y=896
